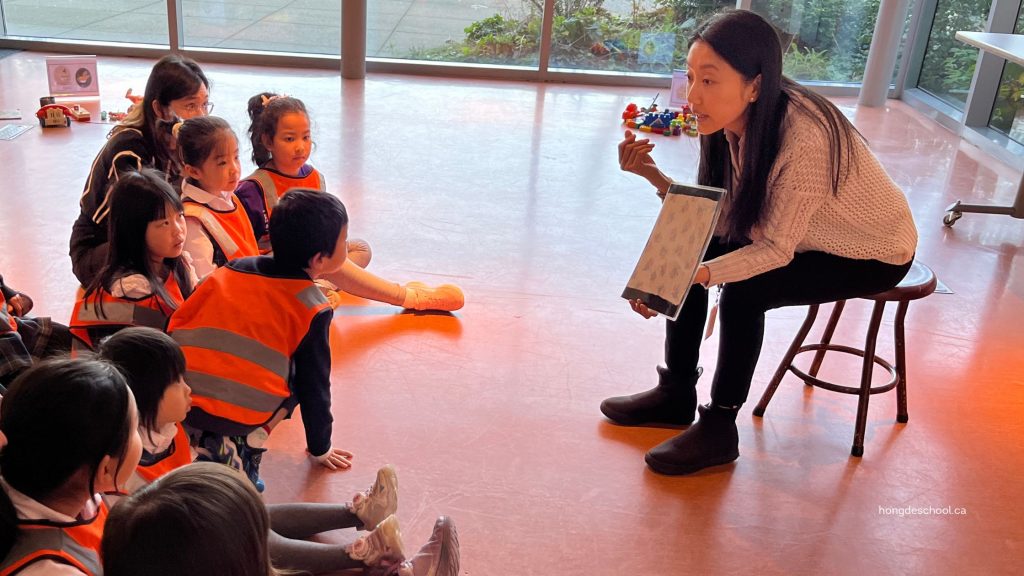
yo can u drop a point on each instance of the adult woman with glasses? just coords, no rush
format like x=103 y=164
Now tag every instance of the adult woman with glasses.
x=176 y=89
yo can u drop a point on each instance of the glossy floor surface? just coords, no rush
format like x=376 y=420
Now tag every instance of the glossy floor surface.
x=491 y=415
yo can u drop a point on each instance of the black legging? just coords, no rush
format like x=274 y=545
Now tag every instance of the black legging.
x=810 y=278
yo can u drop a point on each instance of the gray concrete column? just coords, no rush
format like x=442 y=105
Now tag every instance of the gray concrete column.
x=892 y=14
x=353 y=39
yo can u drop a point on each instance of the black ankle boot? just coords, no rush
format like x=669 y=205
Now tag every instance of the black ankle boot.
x=667 y=404
x=713 y=440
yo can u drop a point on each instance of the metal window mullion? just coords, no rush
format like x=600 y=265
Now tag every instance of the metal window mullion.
x=921 y=28
x=546 y=33
x=989 y=69
x=175 y=26
x=3 y=20
x=744 y=4
x=905 y=67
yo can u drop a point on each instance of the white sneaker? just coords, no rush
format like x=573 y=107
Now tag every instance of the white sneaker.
x=383 y=545
x=378 y=501
x=446 y=297
x=439 y=556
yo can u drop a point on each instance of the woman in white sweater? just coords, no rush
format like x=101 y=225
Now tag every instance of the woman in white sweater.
x=810 y=216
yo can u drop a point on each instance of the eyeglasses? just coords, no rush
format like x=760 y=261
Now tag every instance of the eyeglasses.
x=192 y=108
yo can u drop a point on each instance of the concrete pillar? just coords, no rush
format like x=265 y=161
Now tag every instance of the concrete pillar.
x=892 y=14
x=353 y=39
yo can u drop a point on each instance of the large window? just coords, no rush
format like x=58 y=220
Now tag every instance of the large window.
x=1008 y=111
x=823 y=40
x=642 y=36
x=123 y=21
x=948 y=63
x=302 y=26
x=502 y=33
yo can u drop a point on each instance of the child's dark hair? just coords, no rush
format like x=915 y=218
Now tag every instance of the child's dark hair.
x=176 y=525
x=265 y=109
x=198 y=137
x=138 y=198
x=60 y=416
x=173 y=77
x=306 y=223
x=150 y=361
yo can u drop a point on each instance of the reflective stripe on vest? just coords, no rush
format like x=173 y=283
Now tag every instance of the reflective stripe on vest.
x=176 y=456
x=275 y=185
x=231 y=231
x=238 y=332
x=6 y=319
x=76 y=544
x=119 y=312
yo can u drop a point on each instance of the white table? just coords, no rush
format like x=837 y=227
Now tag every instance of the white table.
x=1009 y=47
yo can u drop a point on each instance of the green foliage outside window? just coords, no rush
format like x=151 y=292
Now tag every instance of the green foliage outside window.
x=824 y=40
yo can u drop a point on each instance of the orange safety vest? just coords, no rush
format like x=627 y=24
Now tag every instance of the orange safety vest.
x=273 y=185
x=230 y=231
x=6 y=319
x=73 y=543
x=116 y=312
x=176 y=456
x=238 y=331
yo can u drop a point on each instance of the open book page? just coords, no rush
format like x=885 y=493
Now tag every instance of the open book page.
x=674 y=251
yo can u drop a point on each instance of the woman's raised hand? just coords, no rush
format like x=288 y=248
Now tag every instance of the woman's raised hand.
x=635 y=156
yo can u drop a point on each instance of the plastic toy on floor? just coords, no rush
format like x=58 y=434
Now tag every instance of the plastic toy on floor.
x=668 y=123
x=54 y=116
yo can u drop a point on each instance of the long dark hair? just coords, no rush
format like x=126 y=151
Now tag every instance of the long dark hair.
x=176 y=525
x=265 y=109
x=150 y=361
x=173 y=77
x=751 y=46
x=138 y=198
x=60 y=416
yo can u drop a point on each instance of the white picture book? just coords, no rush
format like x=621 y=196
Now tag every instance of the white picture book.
x=680 y=237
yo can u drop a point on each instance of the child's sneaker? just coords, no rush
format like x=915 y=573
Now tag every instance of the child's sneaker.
x=438 y=557
x=446 y=297
x=383 y=545
x=378 y=501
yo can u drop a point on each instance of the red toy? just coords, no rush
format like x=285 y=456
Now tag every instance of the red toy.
x=135 y=98
x=54 y=115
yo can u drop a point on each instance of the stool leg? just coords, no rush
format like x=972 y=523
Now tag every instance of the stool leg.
x=826 y=338
x=787 y=360
x=901 y=363
x=865 y=378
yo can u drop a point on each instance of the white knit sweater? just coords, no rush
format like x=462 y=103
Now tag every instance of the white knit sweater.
x=869 y=219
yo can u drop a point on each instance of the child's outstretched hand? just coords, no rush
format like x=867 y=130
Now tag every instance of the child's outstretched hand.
x=336 y=459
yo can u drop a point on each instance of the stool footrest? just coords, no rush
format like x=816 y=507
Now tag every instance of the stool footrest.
x=817 y=382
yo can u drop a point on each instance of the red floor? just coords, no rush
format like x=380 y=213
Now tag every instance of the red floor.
x=513 y=191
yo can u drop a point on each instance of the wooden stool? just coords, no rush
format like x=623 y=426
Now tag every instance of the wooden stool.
x=918 y=283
